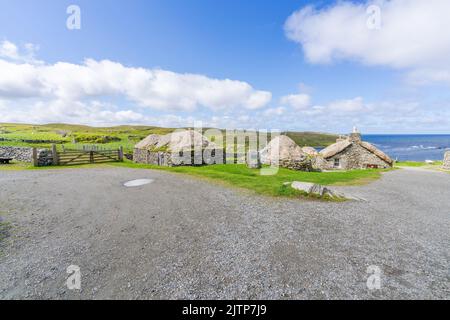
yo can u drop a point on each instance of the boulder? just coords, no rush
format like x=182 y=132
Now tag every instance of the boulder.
x=316 y=189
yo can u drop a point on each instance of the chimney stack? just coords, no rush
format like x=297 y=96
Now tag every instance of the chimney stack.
x=355 y=136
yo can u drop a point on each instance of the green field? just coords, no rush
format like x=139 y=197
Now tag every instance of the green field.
x=273 y=185
x=42 y=136
x=417 y=164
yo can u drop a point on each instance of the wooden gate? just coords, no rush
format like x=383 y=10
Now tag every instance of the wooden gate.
x=75 y=157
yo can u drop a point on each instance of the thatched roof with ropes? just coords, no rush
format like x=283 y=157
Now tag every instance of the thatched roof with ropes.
x=176 y=141
x=336 y=148
x=380 y=154
x=340 y=146
x=310 y=151
x=283 y=148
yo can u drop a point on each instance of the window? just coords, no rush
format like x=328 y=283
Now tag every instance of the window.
x=337 y=163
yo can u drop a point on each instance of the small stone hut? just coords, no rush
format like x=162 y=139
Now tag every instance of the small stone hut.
x=353 y=153
x=446 y=164
x=288 y=154
x=159 y=149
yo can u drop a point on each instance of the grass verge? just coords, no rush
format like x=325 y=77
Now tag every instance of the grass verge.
x=242 y=177
x=417 y=164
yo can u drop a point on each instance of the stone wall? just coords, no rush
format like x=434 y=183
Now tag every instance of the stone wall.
x=44 y=157
x=17 y=153
x=446 y=164
x=357 y=157
x=154 y=158
x=23 y=154
x=300 y=165
x=204 y=157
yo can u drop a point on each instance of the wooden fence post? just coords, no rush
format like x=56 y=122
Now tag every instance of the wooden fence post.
x=91 y=156
x=55 y=161
x=35 y=158
x=121 y=154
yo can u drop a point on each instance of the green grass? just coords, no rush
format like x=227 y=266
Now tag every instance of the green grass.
x=73 y=136
x=417 y=164
x=312 y=139
x=242 y=177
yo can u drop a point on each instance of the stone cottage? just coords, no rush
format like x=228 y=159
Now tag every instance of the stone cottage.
x=446 y=164
x=352 y=153
x=288 y=154
x=177 y=148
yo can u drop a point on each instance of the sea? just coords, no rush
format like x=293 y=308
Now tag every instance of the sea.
x=414 y=147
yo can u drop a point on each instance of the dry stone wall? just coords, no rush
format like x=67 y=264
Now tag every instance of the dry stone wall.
x=17 y=153
x=24 y=154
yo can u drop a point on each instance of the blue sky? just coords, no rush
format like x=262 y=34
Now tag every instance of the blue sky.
x=317 y=75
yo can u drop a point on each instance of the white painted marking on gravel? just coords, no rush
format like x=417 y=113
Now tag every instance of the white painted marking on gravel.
x=137 y=183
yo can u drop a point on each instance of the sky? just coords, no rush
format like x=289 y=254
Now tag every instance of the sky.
x=327 y=66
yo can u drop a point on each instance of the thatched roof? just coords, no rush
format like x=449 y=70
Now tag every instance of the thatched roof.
x=380 y=154
x=310 y=151
x=176 y=141
x=148 y=143
x=336 y=148
x=340 y=146
x=287 y=148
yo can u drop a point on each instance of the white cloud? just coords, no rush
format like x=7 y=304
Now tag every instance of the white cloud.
x=413 y=35
x=429 y=76
x=10 y=51
x=153 y=88
x=273 y=112
x=297 y=101
x=350 y=105
x=36 y=92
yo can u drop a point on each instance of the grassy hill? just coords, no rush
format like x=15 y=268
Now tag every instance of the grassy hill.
x=42 y=136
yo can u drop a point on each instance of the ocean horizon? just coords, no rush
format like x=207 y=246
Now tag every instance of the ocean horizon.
x=411 y=147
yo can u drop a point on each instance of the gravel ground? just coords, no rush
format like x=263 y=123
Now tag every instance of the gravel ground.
x=183 y=238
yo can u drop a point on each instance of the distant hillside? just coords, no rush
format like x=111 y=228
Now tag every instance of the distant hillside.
x=313 y=139
x=69 y=135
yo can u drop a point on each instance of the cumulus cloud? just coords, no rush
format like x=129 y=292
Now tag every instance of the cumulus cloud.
x=275 y=111
x=413 y=35
x=350 y=105
x=156 y=89
x=34 y=91
x=11 y=51
x=297 y=101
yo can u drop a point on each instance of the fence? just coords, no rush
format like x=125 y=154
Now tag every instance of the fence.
x=87 y=155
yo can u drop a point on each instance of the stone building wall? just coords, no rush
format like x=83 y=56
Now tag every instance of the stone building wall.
x=154 y=158
x=446 y=164
x=17 y=153
x=356 y=157
x=204 y=157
